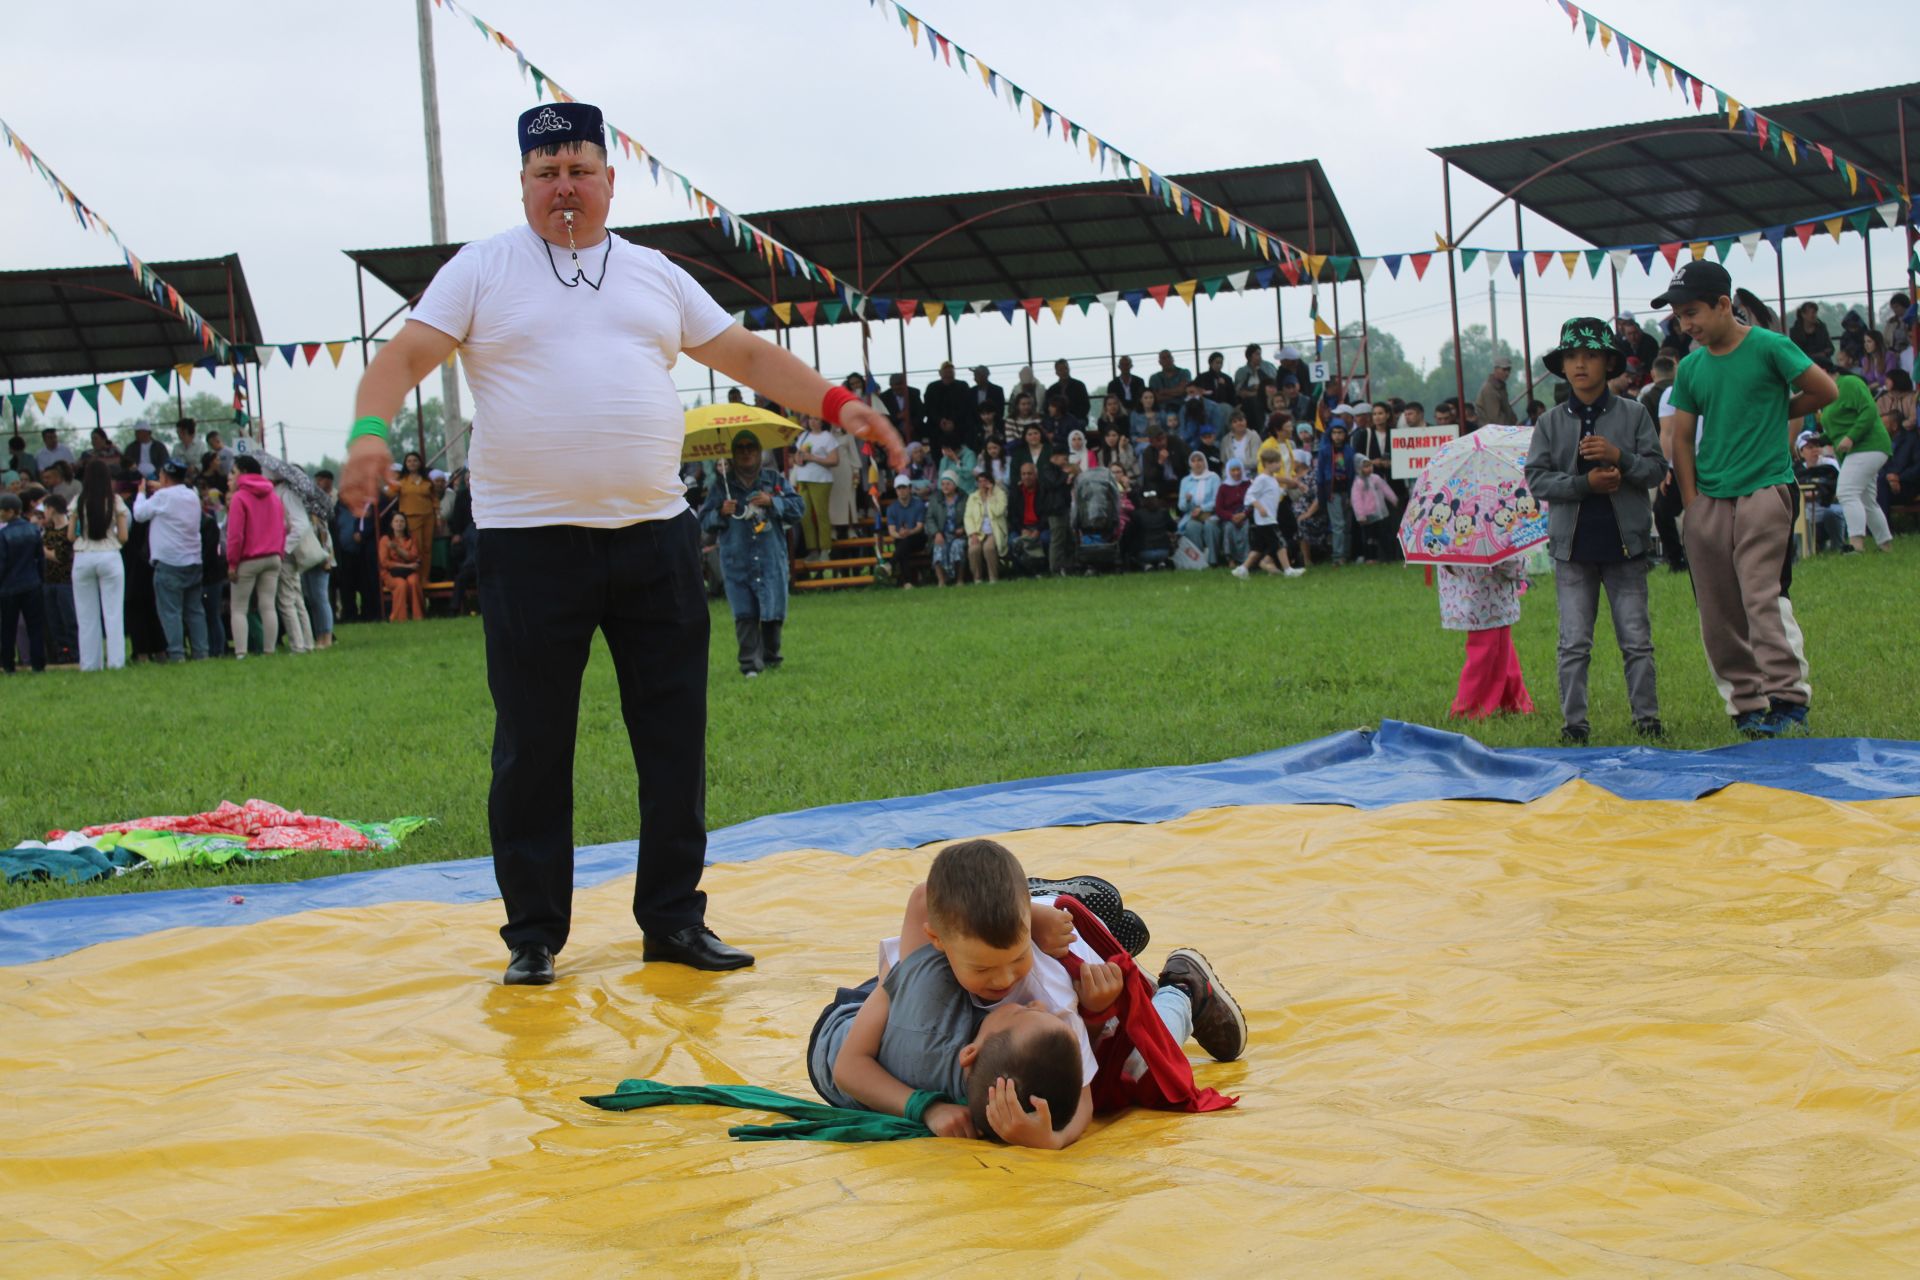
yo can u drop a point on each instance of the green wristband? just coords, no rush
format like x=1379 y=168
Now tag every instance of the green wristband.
x=368 y=426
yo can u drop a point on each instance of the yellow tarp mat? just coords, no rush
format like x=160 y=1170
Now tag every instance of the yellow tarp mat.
x=1583 y=1036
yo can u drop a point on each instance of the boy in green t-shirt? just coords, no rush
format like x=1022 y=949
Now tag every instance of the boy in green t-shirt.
x=1744 y=386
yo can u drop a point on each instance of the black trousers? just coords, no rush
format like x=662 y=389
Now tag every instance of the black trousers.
x=27 y=606
x=543 y=593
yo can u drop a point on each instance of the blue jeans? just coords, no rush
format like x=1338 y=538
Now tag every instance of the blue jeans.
x=1204 y=534
x=313 y=584
x=1338 y=519
x=179 y=597
x=1176 y=1010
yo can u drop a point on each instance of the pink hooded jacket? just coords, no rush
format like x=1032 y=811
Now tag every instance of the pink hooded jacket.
x=256 y=522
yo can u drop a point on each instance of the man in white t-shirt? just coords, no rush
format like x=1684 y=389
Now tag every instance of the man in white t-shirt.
x=569 y=336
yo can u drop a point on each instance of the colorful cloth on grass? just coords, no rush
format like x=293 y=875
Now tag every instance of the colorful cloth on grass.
x=812 y=1121
x=235 y=833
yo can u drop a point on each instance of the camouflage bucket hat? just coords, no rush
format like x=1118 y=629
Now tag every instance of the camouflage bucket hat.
x=1587 y=333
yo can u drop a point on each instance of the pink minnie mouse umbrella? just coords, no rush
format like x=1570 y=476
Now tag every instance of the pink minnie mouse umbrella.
x=1470 y=505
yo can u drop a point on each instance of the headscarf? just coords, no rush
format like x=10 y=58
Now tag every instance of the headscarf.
x=1234 y=465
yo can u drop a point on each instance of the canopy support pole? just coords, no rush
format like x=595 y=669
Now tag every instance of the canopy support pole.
x=360 y=289
x=1279 y=316
x=1526 y=332
x=96 y=399
x=815 y=328
x=1029 y=339
x=949 y=321
x=1453 y=294
x=1113 y=358
x=903 y=353
x=1780 y=279
x=1194 y=307
x=1339 y=363
x=1866 y=247
x=1366 y=353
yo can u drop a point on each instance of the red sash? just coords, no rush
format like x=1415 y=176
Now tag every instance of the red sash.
x=1167 y=1084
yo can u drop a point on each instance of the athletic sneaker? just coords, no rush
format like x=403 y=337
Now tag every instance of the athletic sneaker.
x=1755 y=724
x=1218 y=1025
x=1103 y=899
x=1787 y=718
x=1295 y=572
x=1240 y=571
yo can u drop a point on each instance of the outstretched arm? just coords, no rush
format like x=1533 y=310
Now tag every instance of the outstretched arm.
x=416 y=351
x=784 y=378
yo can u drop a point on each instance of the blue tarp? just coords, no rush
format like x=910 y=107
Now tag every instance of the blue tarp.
x=1366 y=769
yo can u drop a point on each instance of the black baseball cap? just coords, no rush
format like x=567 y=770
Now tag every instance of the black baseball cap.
x=1700 y=281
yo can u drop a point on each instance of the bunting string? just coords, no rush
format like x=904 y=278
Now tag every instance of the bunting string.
x=293 y=354
x=1048 y=119
x=1767 y=133
x=158 y=289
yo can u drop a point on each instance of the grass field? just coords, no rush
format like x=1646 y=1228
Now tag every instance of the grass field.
x=884 y=693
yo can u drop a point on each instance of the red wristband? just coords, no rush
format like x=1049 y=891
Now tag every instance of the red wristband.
x=837 y=399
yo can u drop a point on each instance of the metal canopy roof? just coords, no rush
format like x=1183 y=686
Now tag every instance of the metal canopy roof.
x=1074 y=238
x=1690 y=178
x=62 y=321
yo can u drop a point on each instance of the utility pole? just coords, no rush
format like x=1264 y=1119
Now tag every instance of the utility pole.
x=1493 y=319
x=283 y=438
x=437 y=215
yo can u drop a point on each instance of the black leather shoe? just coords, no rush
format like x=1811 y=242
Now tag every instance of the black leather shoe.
x=530 y=966
x=697 y=947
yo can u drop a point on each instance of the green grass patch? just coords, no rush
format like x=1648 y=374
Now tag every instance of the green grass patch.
x=884 y=693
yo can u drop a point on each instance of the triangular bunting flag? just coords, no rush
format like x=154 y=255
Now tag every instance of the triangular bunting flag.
x=1833 y=226
x=1032 y=307
x=1671 y=252
x=1751 y=243
x=41 y=397
x=287 y=352
x=334 y=349
x=1495 y=260
x=1698 y=249
x=1083 y=301
x=186 y=370
x=956 y=307
x=1826 y=153
x=1133 y=298
x=310 y=350
x=1619 y=258
x=832 y=311
x=1594 y=258
x=1420 y=261
x=1393 y=265
x=1722 y=248
x=1467 y=257
x=1315 y=261
x=18 y=404
x=1366 y=267
x=1570 y=259
x=882 y=308
x=1006 y=308
x=1291 y=269
x=1861 y=221
x=139 y=381
x=1213 y=284
x=1804 y=232
x=1238 y=280
x=1263 y=278
x=66 y=397
x=1889 y=213
x=1109 y=299
x=165 y=378
x=1646 y=259
x=979 y=305
x=1058 y=306
x=807 y=310
x=1516 y=261
x=784 y=312
x=1321 y=329
x=906 y=307
x=1186 y=290
x=91 y=394
x=757 y=317
x=1158 y=292
x=1775 y=236
x=116 y=389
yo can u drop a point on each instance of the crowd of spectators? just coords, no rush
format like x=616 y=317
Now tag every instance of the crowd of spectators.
x=155 y=552
x=1151 y=472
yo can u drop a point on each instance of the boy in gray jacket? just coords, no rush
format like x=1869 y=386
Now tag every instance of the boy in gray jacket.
x=1594 y=459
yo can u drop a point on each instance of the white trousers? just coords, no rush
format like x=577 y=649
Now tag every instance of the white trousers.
x=99 y=605
x=1855 y=493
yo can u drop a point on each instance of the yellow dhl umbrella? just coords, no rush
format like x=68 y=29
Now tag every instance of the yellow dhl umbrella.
x=712 y=427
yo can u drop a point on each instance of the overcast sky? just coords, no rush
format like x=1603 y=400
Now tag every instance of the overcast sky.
x=287 y=133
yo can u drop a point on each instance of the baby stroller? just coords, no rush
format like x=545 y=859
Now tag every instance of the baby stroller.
x=1095 y=517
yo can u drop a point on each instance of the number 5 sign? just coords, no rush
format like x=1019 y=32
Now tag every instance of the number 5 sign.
x=1319 y=371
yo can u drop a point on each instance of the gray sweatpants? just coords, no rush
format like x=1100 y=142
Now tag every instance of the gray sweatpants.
x=1737 y=548
x=1578 y=584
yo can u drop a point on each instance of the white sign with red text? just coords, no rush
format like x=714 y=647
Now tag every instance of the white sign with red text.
x=1414 y=447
